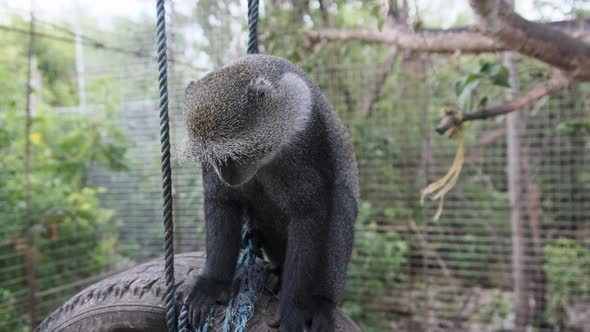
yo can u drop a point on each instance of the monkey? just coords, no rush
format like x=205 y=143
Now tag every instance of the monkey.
x=275 y=155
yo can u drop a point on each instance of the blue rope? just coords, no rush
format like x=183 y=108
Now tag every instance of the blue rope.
x=241 y=308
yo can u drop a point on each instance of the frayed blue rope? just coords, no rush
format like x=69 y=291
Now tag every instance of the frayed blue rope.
x=205 y=326
x=183 y=320
x=241 y=308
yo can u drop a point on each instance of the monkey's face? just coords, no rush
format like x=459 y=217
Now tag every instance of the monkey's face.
x=232 y=122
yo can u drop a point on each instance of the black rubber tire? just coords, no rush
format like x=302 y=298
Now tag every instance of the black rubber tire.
x=133 y=300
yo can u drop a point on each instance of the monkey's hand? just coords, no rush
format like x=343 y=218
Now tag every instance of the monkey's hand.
x=204 y=293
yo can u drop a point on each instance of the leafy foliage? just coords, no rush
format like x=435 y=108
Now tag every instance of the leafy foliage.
x=8 y=313
x=376 y=270
x=574 y=127
x=466 y=86
x=65 y=213
x=567 y=268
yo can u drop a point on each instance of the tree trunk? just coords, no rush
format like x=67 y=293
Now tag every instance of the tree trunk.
x=516 y=190
x=30 y=249
x=537 y=275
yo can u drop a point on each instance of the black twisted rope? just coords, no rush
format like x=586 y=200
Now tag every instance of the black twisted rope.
x=166 y=169
x=252 y=26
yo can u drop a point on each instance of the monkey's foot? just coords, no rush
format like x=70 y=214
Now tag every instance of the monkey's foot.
x=322 y=322
x=292 y=319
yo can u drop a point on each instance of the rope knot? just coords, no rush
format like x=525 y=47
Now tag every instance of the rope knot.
x=455 y=117
x=440 y=188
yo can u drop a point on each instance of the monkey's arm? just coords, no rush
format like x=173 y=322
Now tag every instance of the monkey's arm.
x=223 y=223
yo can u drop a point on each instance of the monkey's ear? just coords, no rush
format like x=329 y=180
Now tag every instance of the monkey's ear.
x=260 y=87
x=190 y=86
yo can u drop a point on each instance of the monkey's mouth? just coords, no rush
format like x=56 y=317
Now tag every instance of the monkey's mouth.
x=235 y=173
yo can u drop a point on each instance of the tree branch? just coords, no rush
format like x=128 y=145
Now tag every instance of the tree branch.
x=380 y=81
x=392 y=16
x=550 y=87
x=427 y=41
x=460 y=39
x=497 y=20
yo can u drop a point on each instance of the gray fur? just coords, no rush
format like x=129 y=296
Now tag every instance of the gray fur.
x=276 y=156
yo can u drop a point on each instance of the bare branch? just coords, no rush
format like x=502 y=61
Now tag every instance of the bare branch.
x=460 y=39
x=380 y=81
x=427 y=41
x=547 y=88
x=497 y=20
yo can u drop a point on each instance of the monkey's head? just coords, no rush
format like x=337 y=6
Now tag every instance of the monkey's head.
x=239 y=117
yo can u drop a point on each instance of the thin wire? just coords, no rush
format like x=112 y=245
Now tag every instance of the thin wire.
x=93 y=43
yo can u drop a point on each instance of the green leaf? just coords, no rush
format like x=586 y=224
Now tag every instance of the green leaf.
x=564 y=128
x=502 y=77
x=573 y=127
x=484 y=67
x=462 y=82
x=483 y=101
x=380 y=22
x=496 y=72
x=465 y=98
x=459 y=84
x=536 y=74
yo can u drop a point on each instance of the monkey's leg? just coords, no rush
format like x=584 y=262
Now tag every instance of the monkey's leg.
x=334 y=257
x=299 y=271
x=223 y=244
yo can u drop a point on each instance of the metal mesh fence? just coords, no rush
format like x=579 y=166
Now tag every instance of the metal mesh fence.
x=407 y=272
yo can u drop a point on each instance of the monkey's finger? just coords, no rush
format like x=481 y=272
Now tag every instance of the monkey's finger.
x=204 y=314
x=191 y=295
x=276 y=322
x=194 y=318
x=224 y=297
